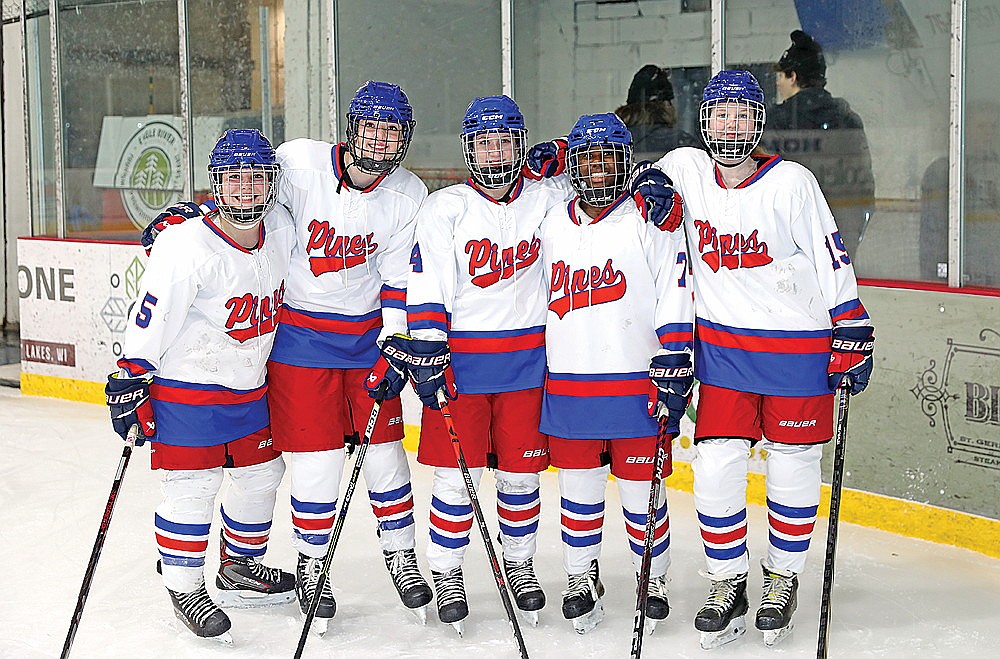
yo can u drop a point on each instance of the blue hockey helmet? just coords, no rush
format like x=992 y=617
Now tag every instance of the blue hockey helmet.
x=732 y=115
x=379 y=127
x=599 y=158
x=494 y=141
x=244 y=174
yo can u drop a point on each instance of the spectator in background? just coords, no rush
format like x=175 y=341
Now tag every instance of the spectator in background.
x=650 y=115
x=840 y=160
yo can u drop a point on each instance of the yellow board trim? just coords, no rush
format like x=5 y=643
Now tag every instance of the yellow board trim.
x=51 y=386
x=907 y=518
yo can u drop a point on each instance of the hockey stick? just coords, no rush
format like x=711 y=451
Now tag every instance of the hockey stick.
x=840 y=441
x=661 y=454
x=102 y=532
x=477 y=509
x=324 y=574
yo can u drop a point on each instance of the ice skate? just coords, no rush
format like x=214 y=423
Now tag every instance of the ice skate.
x=528 y=594
x=582 y=599
x=774 y=617
x=452 y=605
x=721 y=620
x=657 y=606
x=307 y=572
x=243 y=582
x=410 y=584
x=201 y=615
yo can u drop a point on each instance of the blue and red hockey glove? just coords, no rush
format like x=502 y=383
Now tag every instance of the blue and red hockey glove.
x=545 y=160
x=428 y=364
x=672 y=377
x=655 y=196
x=181 y=212
x=851 y=358
x=128 y=401
x=389 y=375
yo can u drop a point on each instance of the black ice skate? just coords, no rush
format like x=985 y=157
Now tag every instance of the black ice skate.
x=721 y=620
x=527 y=591
x=199 y=613
x=307 y=572
x=410 y=584
x=452 y=605
x=582 y=599
x=657 y=606
x=774 y=617
x=243 y=582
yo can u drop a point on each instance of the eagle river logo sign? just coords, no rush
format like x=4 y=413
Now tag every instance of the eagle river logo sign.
x=149 y=172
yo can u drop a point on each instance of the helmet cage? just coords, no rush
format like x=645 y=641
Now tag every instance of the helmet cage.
x=495 y=156
x=379 y=127
x=582 y=171
x=370 y=140
x=247 y=153
x=255 y=195
x=733 y=136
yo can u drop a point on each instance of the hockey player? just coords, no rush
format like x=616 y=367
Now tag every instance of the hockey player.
x=774 y=290
x=192 y=381
x=476 y=287
x=618 y=310
x=354 y=208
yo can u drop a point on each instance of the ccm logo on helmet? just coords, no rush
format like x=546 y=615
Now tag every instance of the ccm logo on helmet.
x=416 y=360
x=798 y=424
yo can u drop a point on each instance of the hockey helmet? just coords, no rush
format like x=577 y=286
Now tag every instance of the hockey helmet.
x=494 y=141
x=732 y=116
x=379 y=127
x=244 y=174
x=599 y=158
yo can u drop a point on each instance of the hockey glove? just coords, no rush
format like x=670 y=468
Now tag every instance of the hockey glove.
x=545 y=160
x=429 y=366
x=388 y=376
x=185 y=210
x=672 y=375
x=128 y=400
x=655 y=196
x=851 y=358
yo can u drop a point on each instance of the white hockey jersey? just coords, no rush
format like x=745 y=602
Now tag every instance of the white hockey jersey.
x=477 y=280
x=203 y=323
x=617 y=294
x=771 y=275
x=347 y=281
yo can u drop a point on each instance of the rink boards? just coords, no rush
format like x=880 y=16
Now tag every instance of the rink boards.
x=923 y=456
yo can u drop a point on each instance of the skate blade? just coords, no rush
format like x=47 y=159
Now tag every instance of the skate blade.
x=459 y=627
x=711 y=640
x=319 y=626
x=420 y=613
x=650 y=626
x=530 y=618
x=773 y=636
x=244 y=599
x=224 y=638
x=588 y=621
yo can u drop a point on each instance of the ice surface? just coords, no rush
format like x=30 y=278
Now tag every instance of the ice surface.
x=894 y=597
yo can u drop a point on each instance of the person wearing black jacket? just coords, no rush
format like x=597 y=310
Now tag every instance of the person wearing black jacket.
x=840 y=159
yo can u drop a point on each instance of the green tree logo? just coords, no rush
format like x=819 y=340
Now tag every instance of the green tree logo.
x=151 y=177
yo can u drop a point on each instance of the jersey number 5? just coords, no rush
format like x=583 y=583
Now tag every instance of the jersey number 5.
x=145 y=312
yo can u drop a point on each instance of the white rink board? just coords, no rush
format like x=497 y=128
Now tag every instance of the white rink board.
x=75 y=294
